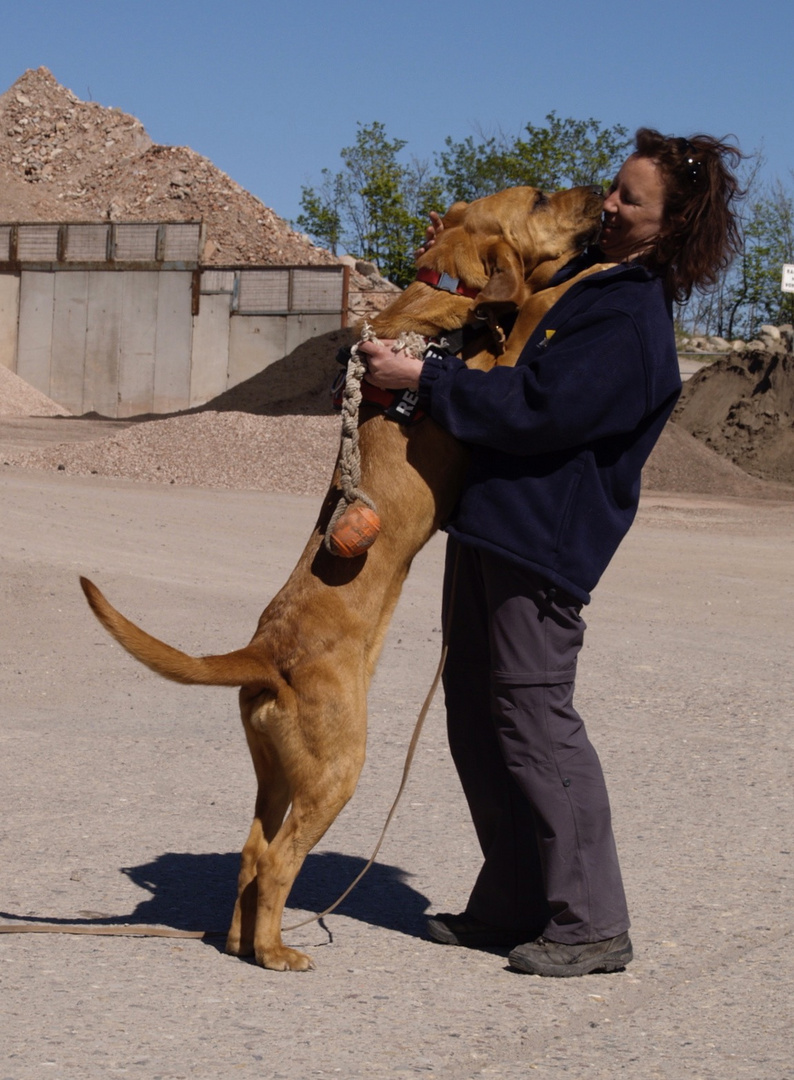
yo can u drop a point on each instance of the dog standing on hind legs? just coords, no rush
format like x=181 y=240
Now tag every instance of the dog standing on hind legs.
x=304 y=675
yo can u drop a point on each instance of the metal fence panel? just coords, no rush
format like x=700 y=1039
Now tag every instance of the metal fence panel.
x=181 y=242
x=37 y=243
x=317 y=290
x=136 y=242
x=217 y=281
x=263 y=291
x=86 y=243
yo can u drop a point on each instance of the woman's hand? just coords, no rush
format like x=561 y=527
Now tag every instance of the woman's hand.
x=432 y=232
x=388 y=369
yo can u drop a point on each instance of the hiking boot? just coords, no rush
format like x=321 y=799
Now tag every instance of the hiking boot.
x=544 y=957
x=469 y=932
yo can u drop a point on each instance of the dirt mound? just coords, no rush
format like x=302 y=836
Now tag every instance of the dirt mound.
x=63 y=159
x=682 y=464
x=742 y=407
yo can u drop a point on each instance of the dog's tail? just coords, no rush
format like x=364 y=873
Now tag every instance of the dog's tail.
x=245 y=667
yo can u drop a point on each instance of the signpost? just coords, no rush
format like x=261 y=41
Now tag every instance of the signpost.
x=787 y=284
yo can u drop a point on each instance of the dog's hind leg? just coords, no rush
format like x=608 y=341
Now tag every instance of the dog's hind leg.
x=272 y=801
x=279 y=865
x=322 y=776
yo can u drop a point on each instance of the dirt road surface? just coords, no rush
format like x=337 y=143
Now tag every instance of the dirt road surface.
x=126 y=799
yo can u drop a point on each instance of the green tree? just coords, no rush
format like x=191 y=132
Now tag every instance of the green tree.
x=754 y=296
x=322 y=211
x=375 y=207
x=563 y=153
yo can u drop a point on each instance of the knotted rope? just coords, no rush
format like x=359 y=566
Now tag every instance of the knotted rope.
x=349 y=454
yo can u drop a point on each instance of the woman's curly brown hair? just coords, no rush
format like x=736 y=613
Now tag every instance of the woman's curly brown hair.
x=701 y=234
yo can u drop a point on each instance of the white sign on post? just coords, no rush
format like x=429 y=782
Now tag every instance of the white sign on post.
x=787 y=284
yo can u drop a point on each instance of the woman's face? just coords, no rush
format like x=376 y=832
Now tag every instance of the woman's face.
x=633 y=209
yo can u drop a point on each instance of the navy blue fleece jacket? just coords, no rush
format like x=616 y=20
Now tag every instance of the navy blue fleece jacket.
x=558 y=442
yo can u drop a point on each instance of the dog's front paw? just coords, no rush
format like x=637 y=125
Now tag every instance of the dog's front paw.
x=281 y=958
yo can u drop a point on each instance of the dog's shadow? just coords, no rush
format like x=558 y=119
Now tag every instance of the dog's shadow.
x=197 y=893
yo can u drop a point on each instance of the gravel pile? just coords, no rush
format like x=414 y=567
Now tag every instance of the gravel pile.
x=291 y=454
x=18 y=398
x=295 y=452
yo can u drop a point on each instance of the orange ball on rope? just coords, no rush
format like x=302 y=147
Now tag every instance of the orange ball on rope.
x=355 y=531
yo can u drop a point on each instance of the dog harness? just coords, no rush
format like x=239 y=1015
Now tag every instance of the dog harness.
x=399 y=405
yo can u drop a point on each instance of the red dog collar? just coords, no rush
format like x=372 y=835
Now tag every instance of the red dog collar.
x=445 y=282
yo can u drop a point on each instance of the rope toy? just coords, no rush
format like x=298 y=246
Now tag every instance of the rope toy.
x=355 y=523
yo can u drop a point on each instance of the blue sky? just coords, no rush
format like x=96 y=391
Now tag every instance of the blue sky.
x=271 y=91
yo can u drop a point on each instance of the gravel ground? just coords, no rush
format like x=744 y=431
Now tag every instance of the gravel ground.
x=127 y=798
x=124 y=798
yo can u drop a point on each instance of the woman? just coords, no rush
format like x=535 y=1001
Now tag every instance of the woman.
x=557 y=447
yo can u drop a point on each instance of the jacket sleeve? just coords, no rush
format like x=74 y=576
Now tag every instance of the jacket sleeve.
x=586 y=382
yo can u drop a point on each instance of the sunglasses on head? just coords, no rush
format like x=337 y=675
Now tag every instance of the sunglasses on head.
x=687 y=152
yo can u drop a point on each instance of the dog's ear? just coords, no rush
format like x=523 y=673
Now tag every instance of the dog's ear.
x=505 y=288
x=454 y=214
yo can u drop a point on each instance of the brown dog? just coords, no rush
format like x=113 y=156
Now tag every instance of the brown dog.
x=304 y=675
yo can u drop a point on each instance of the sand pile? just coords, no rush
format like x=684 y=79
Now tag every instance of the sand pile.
x=682 y=464
x=742 y=407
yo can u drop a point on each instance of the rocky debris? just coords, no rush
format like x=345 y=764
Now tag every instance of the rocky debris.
x=742 y=407
x=49 y=137
x=769 y=337
x=368 y=292
x=63 y=159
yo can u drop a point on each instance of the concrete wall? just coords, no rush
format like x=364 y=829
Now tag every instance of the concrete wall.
x=9 y=309
x=127 y=341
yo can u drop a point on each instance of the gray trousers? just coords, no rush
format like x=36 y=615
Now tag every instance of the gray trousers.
x=533 y=781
